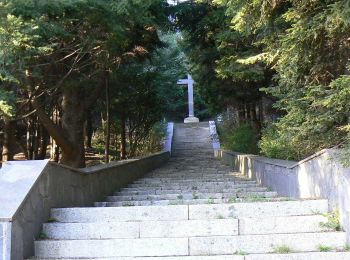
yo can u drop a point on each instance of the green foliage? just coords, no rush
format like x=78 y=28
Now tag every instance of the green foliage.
x=7 y=104
x=283 y=250
x=295 y=51
x=239 y=139
x=333 y=221
x=324 y=248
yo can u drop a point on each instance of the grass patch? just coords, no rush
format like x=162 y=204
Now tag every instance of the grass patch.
x=283 y=250
x=240 y=253
x=52 y=220
x=324 y=248
x=347 y=248
x=128 y=204
x=333 y=222
x=210 y=201
x=232 y=200
x=42 y=236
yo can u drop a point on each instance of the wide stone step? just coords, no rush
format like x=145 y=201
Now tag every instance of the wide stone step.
x=190 y=188
x=186 y=179
x=262 y=209
x=145 y=229
x=291 y=256
x=197 y=246
x=112 y=247
x=183 y=212
x=185 y=228
x=132 y=203
x=185 y=176
x=259 y=244
x=193 y=185
x=159 y=192
x=186 y=196
x=192 y=196
x=217 y=257
x=301 y=256
x=289 y=224
x=94 y=214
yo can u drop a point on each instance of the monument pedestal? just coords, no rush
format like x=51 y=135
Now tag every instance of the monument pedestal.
x=191 y=119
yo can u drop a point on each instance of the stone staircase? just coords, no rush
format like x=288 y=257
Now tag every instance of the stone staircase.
x=193 y=208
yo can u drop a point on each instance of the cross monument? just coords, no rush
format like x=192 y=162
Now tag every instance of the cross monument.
x=189 y=82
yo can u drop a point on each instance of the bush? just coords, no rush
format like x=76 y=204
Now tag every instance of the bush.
x=240 y=139
x=275 y=145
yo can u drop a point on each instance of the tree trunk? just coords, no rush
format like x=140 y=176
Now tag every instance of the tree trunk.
x=44 y=143
x=29 y=139
x=88 y=131
x=73 y=119
x=108 y=123
x=254 y=120
x=123 y=138
x=1 y=146
x=9 y=145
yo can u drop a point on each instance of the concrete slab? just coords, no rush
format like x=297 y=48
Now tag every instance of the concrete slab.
x=259 y=244
x=120 y=214
x=16 y=180
x=268 y=209
x=112 y=248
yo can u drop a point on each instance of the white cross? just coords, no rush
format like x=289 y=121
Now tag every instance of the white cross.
x=189 y=82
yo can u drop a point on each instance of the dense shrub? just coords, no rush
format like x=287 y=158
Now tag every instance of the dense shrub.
x=239 y=139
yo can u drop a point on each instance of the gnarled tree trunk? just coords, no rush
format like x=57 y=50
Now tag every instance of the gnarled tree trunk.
x=9 y=145
x=73 y=120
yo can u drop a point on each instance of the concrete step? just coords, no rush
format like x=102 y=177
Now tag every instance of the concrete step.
x=185 y=228
x=93 y=214
x=275 y=225
x=186 y=180
x=212 y=177
x=183 y=175
x=191 y=196
x=301 y=256
x=158 y=192
x=196 y=212
x=133 y=203
x=217 y=257
x=112 y=247
x=193 y=185
x=147 y=188
x=186 y=196
x=262 y=209
x=196 y=246
x=144 y=229
x=262 y=244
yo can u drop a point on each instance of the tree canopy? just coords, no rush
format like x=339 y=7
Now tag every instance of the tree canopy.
x=294 y=53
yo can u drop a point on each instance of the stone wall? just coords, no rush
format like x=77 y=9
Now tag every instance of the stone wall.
x=60 y=186
x=319 y=176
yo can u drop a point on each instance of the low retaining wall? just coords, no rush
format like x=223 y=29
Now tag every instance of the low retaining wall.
x=319 y=176
x=61 y=186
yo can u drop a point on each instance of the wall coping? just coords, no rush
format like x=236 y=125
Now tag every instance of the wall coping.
x=282 y=163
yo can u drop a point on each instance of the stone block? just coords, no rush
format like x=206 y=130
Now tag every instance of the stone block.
x=263 y=209
x=260 y=244
x=111 y=248
x=191 y=228
x=291 y=224
x=120 y=214
x=99 y=230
